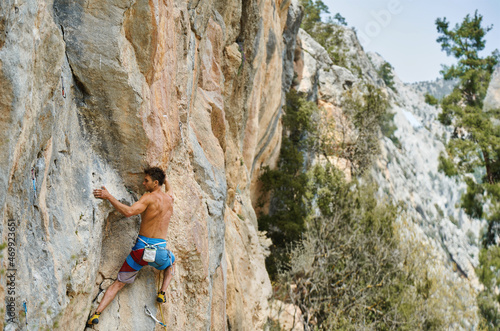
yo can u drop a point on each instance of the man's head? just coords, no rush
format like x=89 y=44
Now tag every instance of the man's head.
x=156 y=178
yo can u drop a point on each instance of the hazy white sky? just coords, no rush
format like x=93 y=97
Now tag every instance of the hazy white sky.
x=404 y=31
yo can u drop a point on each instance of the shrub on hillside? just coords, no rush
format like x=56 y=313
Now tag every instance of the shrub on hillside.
x=446 y=166
x=366 y=109
x=385 y=72
x=288 y=183
x=489 y=274
x=350 y=271
x=328 y=33
x=431 y=100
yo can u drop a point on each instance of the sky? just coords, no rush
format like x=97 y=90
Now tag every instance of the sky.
x=404 y=31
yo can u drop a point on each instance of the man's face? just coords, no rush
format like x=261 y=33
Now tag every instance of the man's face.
x=148 y=183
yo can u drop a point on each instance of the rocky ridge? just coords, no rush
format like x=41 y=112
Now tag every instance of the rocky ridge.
x=437 y=88
x=407 y=170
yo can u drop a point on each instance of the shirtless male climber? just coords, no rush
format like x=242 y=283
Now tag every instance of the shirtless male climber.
x=156 y=208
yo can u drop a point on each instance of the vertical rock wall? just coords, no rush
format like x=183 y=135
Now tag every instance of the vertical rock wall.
x=92 y=91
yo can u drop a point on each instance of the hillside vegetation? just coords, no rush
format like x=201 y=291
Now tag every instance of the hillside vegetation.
x=338 y=252
x=473 y=150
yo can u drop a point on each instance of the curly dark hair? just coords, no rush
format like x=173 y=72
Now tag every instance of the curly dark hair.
x=156 y=174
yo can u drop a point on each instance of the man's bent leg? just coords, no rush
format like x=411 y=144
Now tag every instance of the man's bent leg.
x=109 y=295
x=129 y=270
x=167 y=277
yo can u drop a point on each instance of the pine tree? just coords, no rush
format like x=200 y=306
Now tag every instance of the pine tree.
x=312 y=13
x=385 y=72
x=328 y=32
x=475 y=144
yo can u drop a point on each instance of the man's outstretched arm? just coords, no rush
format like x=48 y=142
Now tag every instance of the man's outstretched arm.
x=168 y=188
x=137 y=208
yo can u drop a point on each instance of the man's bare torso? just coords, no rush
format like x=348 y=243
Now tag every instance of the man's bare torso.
x=156 y=217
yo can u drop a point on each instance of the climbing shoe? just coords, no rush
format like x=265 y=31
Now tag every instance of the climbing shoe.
x=94 y=319
x=161 y=297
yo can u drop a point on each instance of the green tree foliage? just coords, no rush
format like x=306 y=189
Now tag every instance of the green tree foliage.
x=367 y=111
x=288 y=183
x=476 y=140
x=385 y=72
x=340 y=19
x=348 y=272
x=337 y=254
x=329 y=33
x=356 y=137
x=489 y=274
x=475 y=145
x=304 y=134
x=312 y=13
x=431 y=100
x=447 y=166
x=464 y=42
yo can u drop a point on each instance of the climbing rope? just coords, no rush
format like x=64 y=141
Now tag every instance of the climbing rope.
x=159 y=304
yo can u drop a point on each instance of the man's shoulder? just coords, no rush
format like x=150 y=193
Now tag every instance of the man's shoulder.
x=160 y=194
x=167 y=197
x=146 y=197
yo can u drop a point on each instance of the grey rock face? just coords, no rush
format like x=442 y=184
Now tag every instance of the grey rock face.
x=438 y=88
x=293 y=20
x=90 y=92
x=108 y=91
x=318 y=77
x=492 y=100
x=409 y=172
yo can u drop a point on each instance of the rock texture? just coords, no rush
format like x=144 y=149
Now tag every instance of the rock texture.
x=410 y=173
x=438 y=88
x=91 y=92
x=492 y=100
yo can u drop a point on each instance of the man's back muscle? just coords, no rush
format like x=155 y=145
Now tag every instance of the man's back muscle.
x=156 y=217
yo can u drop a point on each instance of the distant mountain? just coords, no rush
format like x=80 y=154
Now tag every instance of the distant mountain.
x=438 y=88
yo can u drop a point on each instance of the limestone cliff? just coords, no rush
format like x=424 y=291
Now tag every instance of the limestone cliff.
x=91 y=92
